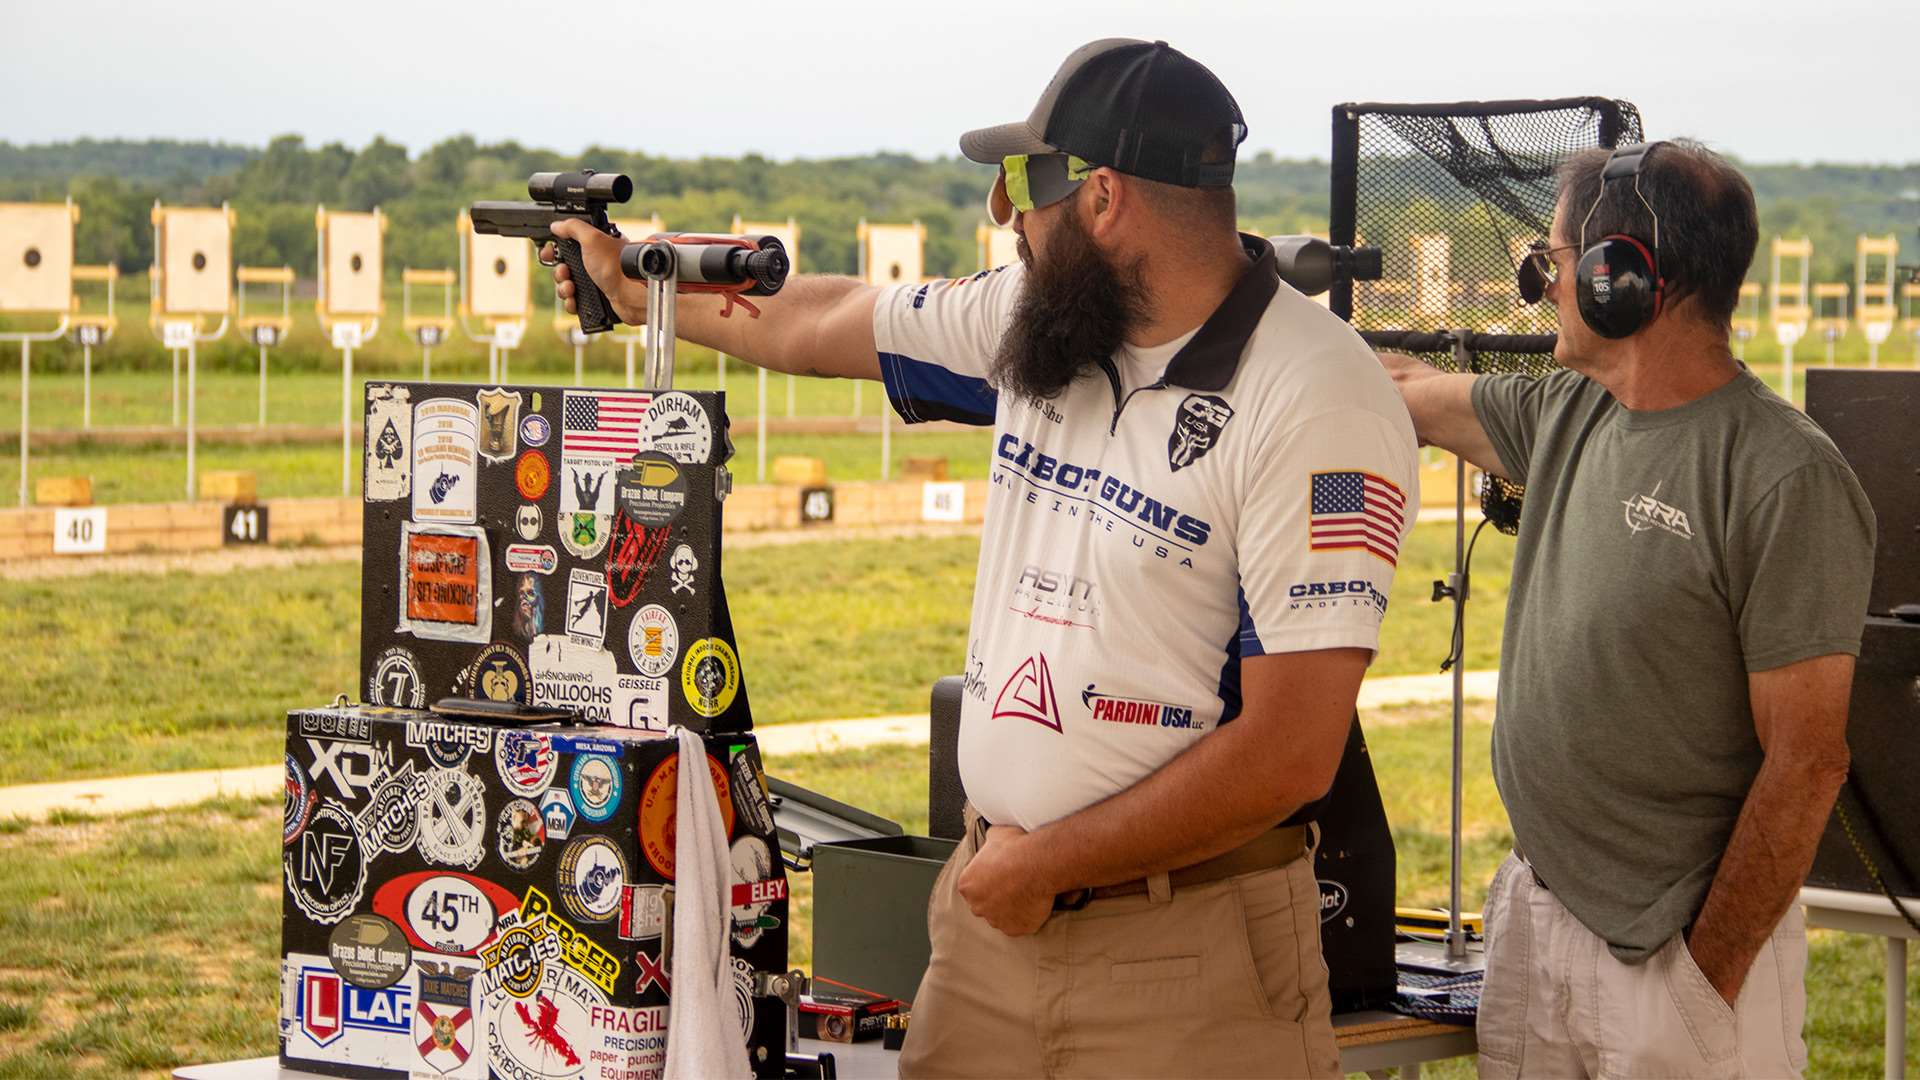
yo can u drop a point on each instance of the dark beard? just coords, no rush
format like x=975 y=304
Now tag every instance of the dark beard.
x=1074 y=311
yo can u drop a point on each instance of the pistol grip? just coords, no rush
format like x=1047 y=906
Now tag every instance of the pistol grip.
x=595 y=311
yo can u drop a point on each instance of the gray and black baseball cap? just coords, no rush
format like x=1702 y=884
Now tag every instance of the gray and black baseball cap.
x=1141 y=107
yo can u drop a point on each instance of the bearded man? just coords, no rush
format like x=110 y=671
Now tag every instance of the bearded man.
x=1200 y=483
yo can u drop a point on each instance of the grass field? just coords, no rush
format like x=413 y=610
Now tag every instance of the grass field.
x=142 y=673
x=139 y=944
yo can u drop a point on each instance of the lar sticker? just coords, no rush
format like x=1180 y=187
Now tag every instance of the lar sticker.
x=446 y=583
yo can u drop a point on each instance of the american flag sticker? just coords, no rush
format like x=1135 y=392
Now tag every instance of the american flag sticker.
x=1356 y=510
x=603 y=423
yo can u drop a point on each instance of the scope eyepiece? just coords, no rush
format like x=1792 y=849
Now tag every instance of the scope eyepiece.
x=576 y=188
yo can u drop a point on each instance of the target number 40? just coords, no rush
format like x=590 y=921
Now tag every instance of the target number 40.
x=80 y=531
x=243 y=525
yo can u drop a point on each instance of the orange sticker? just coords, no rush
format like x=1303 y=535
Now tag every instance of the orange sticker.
x=443 y=578
x=531 y=474
x=658 y=806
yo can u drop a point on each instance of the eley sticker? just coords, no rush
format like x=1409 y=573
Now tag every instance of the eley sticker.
x=446 y=460
x=677 y=426
x=446 y=582
x=388 y=465
x=569 y=675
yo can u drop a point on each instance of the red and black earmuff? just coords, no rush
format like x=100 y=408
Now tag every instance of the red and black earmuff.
x=1617 y=283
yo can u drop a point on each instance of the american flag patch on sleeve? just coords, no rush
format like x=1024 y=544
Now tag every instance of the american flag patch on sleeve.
x=1356 y=510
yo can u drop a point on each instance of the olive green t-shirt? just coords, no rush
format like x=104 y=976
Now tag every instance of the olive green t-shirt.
x=1662 y=556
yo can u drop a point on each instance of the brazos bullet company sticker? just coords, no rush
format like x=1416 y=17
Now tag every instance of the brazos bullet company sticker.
x=652 y=490
x=658 y=810
x=710 y=676
x=369 y=951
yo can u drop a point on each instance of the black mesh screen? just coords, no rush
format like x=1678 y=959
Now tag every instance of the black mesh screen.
x=1451 y=195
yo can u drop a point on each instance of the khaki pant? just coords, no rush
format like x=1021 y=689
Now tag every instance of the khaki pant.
x=1556 y=1002
x=1221 y=979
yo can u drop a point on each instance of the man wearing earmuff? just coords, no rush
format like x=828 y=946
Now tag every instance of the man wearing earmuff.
x=1688 y=590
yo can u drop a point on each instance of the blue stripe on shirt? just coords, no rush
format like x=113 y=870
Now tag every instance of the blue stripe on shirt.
x=921 y=391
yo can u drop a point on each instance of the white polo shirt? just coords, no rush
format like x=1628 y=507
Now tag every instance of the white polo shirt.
x=1242 y=491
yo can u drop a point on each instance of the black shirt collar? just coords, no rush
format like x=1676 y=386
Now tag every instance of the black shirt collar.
x=1209 y=360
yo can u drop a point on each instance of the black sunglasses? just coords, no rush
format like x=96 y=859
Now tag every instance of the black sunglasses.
x=1535 y=271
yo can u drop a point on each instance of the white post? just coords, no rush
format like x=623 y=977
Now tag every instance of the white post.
x=86 y=386
x=789 y=396
x=493 y=363
x=192 y=363
x=720 y=371
x=24 y=352
x=579 y=366
x=346 y=422
x=886 y=445
x=263 y=385
x=858 y=385
x=1896 y=1008
x=760 y=424
x=1873 y=353
x=630 y=344
x=426 y=363
x=504 y=354
x=176 y=386
x=1786 y=373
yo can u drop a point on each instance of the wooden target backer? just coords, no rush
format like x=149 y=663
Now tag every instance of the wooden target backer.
x=196 y=264
x=895 y=254
x=499 y=269
x=353 y=263
x=36 y=257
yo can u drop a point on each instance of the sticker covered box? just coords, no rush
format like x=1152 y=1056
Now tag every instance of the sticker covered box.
x=472 y=900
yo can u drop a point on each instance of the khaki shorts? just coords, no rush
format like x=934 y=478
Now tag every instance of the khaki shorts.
x=1221 y=979
x=1557 y=1003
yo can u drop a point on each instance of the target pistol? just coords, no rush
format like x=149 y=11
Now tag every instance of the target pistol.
x=563 y=196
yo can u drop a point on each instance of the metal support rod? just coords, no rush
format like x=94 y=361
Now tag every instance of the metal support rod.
x=263 y=385
x=662 y=292
x=426 y=363
x=192 y=365
x=1896 y=1009
x=86 y=386
x=346 y=422
x=630 y=342
x=25 y=352
x=175 y=353
x=1456 y=934
x=760 y=424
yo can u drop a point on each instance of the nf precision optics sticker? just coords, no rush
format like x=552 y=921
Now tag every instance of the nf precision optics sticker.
x=389 y=438
x=446 y=445
x=326 y=868
x=446 y=582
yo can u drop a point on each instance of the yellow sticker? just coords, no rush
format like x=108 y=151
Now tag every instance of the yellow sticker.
x=710 y=676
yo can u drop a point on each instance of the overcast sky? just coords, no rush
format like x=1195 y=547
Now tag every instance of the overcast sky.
x=1769 y=80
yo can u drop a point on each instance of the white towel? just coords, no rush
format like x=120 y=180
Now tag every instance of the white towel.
x=703 y=1029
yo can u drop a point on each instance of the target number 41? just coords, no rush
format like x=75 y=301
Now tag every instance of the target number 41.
x=243 y=525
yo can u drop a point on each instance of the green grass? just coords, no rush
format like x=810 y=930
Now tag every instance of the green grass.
x=146 y=673
x=138 y=944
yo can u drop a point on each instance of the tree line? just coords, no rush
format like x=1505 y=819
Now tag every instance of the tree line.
x=274 y=189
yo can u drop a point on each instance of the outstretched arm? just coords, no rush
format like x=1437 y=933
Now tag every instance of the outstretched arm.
x=817 y=324
x=1442 y=408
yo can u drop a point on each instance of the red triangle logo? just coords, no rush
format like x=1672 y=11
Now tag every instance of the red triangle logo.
x=1029 y=695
